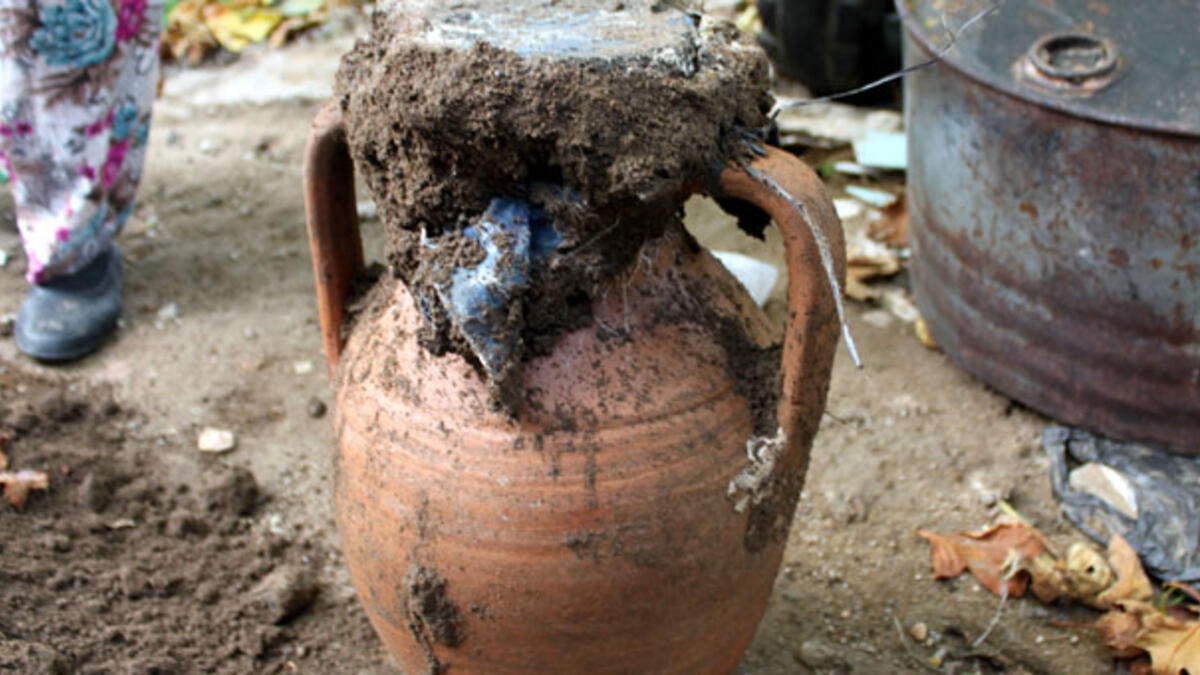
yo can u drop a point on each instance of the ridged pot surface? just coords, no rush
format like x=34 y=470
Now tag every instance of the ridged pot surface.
x=597 y=534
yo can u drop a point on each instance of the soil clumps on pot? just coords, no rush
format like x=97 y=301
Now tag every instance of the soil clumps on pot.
x=532 y=152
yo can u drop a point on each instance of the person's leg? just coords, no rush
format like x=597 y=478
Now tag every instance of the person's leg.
x=77 y=80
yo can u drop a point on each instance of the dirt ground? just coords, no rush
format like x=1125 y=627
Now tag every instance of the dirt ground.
x=147 y=557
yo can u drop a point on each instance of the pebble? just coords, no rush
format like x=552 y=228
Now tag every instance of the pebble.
x=316 y=408
x=216 y=440
x=303 y=367
x=919 y=631
x=8 y=323
x=284 y=593
x=820 y=654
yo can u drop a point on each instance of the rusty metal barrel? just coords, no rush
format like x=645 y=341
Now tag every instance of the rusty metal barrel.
x=1054 y=188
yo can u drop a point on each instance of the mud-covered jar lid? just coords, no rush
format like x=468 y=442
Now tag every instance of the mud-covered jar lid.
x=1114 y=61
x=521 y=153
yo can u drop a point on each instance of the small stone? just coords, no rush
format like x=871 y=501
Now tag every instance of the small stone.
x=8 y=323
x=919 y=631
x=316 y=408
x=303 y=367
x=122 y=524
x=820 y=654
x=282 y=594
x=216 y=440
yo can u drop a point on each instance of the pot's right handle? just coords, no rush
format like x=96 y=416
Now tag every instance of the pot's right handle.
x=789 y=191
x=332 y=217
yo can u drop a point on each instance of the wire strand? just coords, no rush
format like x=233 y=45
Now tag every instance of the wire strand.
x=937 y=58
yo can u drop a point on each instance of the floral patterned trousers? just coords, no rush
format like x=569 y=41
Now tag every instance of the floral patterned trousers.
x=77 y=80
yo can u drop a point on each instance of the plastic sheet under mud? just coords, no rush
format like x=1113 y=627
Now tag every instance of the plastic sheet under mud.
x=1147 y=496
x=484 y=301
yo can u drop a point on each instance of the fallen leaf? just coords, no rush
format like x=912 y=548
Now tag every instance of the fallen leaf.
x=18 y=485
x=289 y=28
x=1132 y=582
x=1048 y=578
x=1173 y=645
x=891 y=227
x=995 y=556
x=1119 y=631
x=921 y=329
x=236 y=29
x=1136 y=627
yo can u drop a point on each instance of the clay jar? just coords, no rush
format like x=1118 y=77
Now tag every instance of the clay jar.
x=614 y=494
x=623 y=523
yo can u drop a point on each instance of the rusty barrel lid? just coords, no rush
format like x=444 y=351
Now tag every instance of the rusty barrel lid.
x=1117 y=62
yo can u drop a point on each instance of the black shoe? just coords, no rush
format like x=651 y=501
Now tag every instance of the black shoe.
x=70 y=317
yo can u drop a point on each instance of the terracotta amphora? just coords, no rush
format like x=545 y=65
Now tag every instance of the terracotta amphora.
x=627 y=521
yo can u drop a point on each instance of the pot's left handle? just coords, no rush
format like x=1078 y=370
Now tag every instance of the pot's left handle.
x=332 y=217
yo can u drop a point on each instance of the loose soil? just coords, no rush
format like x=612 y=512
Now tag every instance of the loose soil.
x=119 y=570
x=909 y=441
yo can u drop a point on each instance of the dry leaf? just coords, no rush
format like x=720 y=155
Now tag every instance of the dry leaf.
x=1173 y=645
x=1120 y=633
x=995 y=557
x=18 y=485
x=1136 y=627
x=891 y=227
x=1048 y=578
x=921 y=329
x=1132 y=582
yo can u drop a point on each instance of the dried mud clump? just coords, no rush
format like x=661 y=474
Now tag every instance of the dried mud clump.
x=432 y=617
x=605 y=116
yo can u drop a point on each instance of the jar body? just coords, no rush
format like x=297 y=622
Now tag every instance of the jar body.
x=598 y=532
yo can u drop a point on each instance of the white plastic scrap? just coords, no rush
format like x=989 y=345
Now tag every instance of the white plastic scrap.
x=756 y=276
